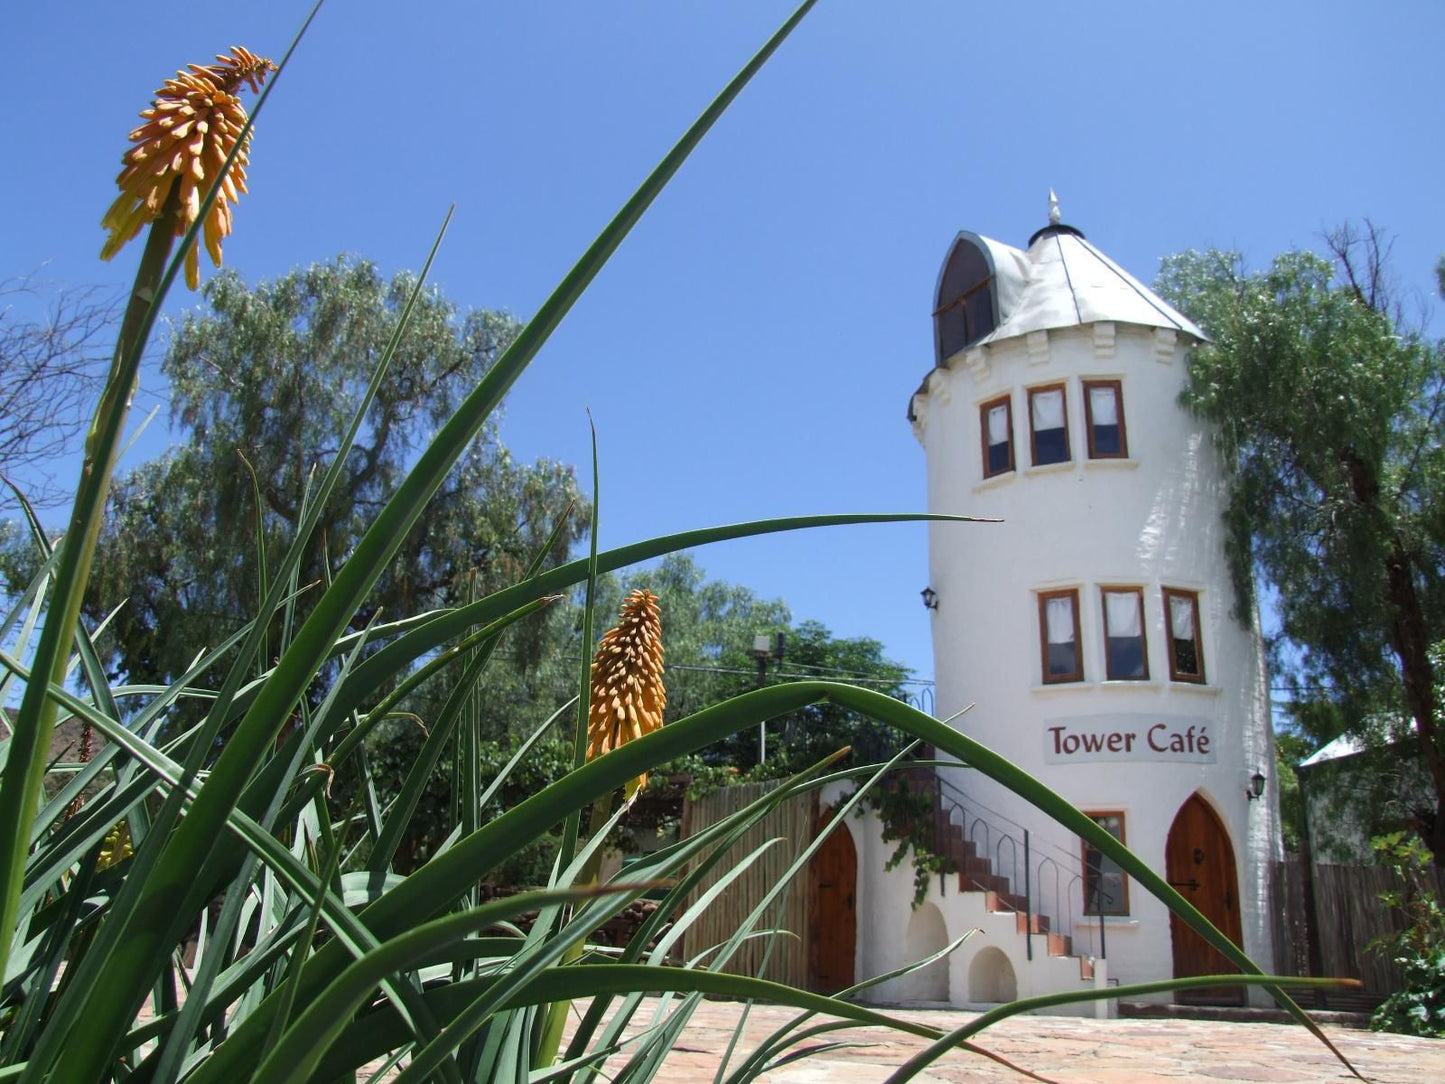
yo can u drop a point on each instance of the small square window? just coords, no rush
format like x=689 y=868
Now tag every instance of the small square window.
x=1104 y=419
x=1106 y=887
x=1049 y=425
x=1126 y=654
x=1186 y=644
x=996 y=421
x=1063 y=660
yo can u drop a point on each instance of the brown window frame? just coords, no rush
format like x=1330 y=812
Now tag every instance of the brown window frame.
x=983 y=408
x=1138 y=593
x=1077 y=674
x=1118 y=386
x=1193 y=597
x=1095 y=815
x=1063 y=390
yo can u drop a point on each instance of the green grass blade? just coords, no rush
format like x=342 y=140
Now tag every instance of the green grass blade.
x=448 y=873
x=422 y=674
x=24 y=770
x=916 y=1064
x=439 y=629
x=399 y=816
x=699 y=854
x=31 y=728
x=137 y=938
x=263 y=647
x=302 y=1047
x=554 y=1017
x=375 y=1033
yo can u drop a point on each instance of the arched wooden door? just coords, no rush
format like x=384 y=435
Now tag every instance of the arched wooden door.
x=1199 y=861
x=833 y=891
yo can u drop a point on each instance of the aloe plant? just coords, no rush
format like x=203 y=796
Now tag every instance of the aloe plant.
x=310 y=962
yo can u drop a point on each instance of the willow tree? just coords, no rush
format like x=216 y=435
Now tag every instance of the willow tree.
x=1327 y=409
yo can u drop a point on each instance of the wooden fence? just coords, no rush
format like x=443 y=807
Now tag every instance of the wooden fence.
x=1325 y=916
x=792 y=824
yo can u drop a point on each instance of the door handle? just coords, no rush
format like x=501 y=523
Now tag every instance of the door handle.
x=1190 y=884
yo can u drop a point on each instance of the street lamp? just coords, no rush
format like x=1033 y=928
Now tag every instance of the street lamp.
x=762 y=650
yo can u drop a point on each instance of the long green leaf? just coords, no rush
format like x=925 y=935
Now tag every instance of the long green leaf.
x=301 y=1048
x=554 y=1017
x=24 y=770
x=437 y=630
x=139 y=940
x=398 y=818
x=377 y=1032
x=441 y=879
x=916 y=1064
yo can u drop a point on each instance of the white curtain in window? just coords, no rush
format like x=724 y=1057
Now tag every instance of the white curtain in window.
x=1181 y=618
x=998 y=424
x=1059 y=616
x=1103 y=406
x=1048 y=407
x=1122 y=609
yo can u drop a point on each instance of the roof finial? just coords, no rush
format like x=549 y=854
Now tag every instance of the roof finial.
x=1055 y=216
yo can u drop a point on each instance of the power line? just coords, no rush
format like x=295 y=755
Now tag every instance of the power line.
x=858 y=679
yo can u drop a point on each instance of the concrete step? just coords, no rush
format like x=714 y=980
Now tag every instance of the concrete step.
x=1034 y=923
x=1004 y=900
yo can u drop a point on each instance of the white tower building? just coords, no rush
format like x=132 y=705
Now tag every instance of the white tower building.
x=1092 y=629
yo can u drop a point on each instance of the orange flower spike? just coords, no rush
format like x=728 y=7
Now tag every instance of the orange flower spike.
x=627 y=697
x=189 y=130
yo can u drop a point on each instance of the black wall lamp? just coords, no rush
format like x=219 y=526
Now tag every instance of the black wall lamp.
x=1256 y=786
x=930 y=598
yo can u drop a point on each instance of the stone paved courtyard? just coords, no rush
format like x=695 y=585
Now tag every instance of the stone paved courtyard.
x=1072 y=1050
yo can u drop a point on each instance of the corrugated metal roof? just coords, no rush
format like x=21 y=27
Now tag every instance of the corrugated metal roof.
x=1063 y=281
x=1348 y=745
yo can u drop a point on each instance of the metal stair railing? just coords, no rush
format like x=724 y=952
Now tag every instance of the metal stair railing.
x=1050 y=874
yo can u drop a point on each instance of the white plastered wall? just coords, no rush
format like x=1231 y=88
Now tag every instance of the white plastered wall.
x=1151 y=520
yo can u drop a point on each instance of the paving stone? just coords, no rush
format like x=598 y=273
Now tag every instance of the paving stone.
x=1073 y=1050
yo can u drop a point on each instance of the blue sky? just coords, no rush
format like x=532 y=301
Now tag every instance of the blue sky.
x=750 y=350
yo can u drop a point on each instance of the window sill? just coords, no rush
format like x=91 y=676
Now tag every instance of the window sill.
x=1050 y=468
x=1195 y=688
x=1113 y=684
x=1063 y=686
x=995 y=480
x=1123 y=922
x=1113 y=463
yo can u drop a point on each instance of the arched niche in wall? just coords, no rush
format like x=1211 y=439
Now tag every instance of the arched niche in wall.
x=991 y=978
x=927 y=934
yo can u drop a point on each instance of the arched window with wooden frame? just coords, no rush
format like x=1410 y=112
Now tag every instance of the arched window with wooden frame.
x=966 y=305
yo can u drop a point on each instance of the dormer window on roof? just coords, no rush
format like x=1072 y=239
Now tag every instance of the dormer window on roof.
x=967 y=302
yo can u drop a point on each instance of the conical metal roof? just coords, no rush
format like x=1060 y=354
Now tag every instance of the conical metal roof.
x=1064 y=281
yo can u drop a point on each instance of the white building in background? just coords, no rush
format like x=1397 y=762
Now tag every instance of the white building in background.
x=1091 y=630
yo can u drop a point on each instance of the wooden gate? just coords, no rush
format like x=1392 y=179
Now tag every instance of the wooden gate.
x=833 y=877
x=1199 y=862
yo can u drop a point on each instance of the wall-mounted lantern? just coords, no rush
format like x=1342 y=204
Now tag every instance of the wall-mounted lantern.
x=930 y=598
x=1256 y=787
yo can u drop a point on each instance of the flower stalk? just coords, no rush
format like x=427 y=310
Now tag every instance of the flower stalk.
x=626 y=700
x=167 y=193
x=193 y=126
x=628 y=697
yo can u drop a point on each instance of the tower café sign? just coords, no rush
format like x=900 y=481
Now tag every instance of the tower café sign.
x=1088 y=738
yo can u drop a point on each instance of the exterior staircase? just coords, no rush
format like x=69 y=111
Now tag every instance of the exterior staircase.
x=976 y=874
